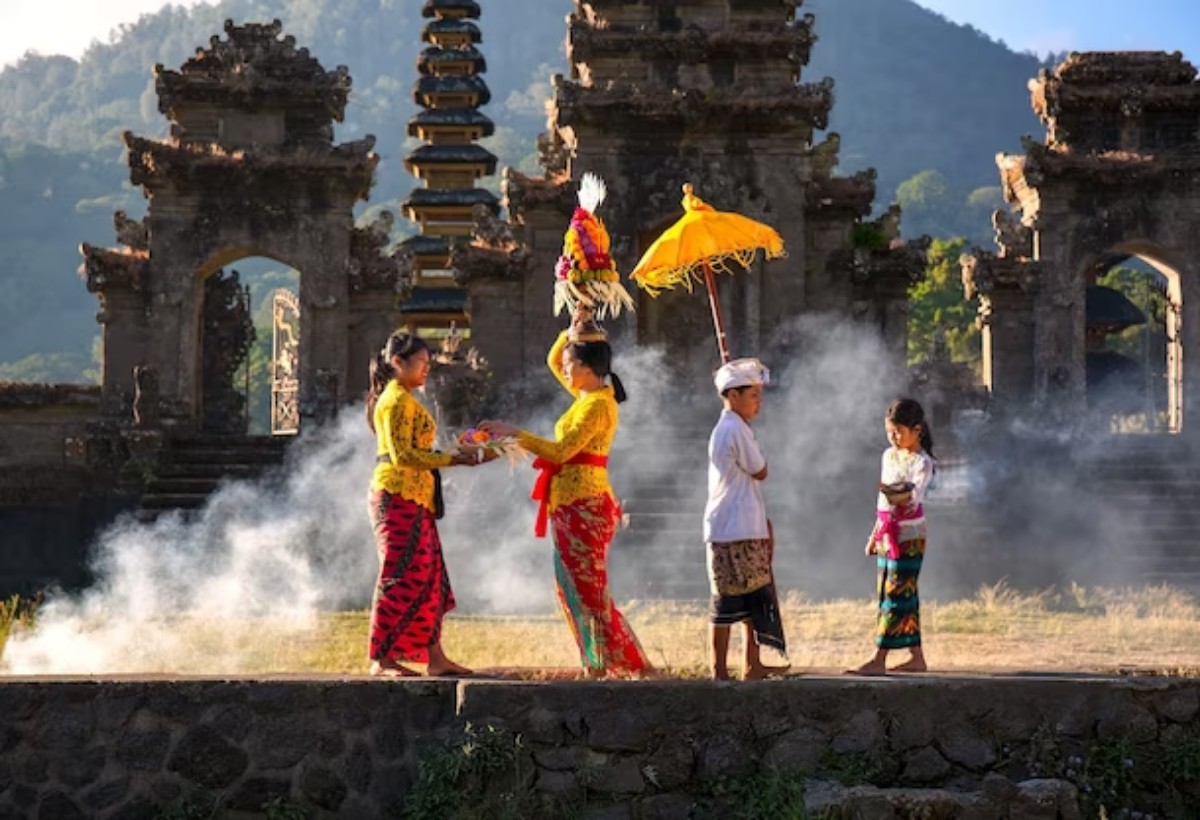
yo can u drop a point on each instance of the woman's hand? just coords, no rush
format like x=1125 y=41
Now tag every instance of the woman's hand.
x=466 y=457
x=498 y=429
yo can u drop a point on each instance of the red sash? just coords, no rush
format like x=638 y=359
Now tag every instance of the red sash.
x=541 y=488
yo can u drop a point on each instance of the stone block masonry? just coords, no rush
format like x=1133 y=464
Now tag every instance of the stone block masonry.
x=354 y=748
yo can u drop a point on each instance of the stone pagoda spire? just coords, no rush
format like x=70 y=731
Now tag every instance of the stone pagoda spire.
x=450 y=92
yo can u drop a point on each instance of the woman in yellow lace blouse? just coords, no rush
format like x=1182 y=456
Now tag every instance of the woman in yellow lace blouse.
x=413 y=592
x=574 y=494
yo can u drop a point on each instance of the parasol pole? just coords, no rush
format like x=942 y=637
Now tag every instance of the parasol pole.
x=710 y=283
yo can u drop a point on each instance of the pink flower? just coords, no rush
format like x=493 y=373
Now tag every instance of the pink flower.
x=562 y=268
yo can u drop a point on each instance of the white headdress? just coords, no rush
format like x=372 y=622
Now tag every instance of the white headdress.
x=741 y=373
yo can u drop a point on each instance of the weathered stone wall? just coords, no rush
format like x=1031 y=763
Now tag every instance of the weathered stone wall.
x=47 y=544
x=38 y=422
x=974 y=747
x=52 y=502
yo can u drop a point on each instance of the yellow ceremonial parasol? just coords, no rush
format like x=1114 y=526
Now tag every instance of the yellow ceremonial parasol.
x=702 y=241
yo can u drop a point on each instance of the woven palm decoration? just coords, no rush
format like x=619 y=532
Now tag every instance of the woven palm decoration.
x=585 y=273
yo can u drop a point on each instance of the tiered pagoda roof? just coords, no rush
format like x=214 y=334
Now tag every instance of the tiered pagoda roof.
x=473 y=156
x=426 y=300
x=436 y=57
x=451 y=9
x=427 y=246
x=429 y=91
x=443 y=197
x=451 y=31
x=450 y=164
x=432 y=121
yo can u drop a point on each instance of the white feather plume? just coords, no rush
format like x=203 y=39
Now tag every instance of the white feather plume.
x=591 y=192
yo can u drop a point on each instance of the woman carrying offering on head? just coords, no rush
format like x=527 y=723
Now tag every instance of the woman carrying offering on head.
x=413 y=592
x=576 y=500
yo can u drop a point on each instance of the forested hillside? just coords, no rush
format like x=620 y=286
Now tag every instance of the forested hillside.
x=914 y=93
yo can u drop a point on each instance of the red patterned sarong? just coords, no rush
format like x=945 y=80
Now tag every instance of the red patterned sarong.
x=413 y=592
x=582 y=533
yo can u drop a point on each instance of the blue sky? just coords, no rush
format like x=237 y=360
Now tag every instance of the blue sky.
x=1025 y=25
x=1081 y=25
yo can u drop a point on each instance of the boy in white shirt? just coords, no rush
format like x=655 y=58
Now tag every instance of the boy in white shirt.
x=739 y=541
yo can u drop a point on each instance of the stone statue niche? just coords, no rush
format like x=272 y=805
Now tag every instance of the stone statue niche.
x=228 y=334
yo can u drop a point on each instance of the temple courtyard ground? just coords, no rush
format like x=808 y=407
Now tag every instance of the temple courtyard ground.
x=1152 y=629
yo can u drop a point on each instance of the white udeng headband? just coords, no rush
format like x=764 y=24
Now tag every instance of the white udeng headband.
x=741 y=373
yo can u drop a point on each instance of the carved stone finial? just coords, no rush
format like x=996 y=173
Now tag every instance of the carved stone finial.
x=825 y=155
x=131 y=233
x=1014 y=238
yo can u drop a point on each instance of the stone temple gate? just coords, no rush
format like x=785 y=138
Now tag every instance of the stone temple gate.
x=249 y=169
x=1117 y=177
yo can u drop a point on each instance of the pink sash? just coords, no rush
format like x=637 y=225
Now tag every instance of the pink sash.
x=889 y=526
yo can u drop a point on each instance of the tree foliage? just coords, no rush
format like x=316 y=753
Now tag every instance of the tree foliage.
x=1145 y=288
x=936 y=304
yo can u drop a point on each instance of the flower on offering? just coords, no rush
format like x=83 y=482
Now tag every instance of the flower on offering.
x=488 y=447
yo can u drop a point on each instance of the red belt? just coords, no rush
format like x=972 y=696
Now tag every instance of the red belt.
x=541 y=488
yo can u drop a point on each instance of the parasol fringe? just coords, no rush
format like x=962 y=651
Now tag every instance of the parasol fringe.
x=689 y=275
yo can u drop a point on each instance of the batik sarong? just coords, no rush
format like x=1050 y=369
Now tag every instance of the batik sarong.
x=583 y=531
x=899 y=623
x=743 y=589
x=413 y=592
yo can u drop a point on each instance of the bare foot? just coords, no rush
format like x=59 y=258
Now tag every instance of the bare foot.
x=875 y=666
x=447 y=668
x=761 y=672
x=391 y=669
x=911 y=665
x=720 y=676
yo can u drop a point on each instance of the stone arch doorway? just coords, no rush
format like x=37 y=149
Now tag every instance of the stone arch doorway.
x=1115 y=178
x=249 y=376
x=250 y=168
x=1134 y=339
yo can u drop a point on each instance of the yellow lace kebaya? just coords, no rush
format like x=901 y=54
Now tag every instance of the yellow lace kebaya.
x=405 y=432
x=588 y=426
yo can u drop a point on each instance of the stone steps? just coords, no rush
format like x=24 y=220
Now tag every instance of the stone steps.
x=1152 y=487
x=192 y=469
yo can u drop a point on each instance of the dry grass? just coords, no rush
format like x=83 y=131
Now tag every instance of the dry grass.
x=999 y=629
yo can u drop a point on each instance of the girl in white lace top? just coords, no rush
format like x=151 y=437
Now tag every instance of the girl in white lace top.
x=898 y=538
